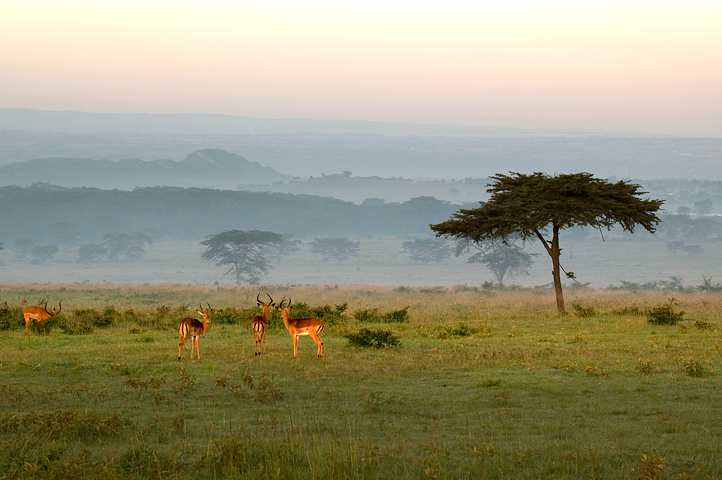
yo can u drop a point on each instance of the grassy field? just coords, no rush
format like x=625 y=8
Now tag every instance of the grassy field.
x=484 y=384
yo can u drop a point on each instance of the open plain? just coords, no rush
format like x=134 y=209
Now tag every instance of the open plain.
x=484 y=383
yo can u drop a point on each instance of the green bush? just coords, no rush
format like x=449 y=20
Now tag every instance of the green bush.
x=373 y=316
x=440 y=331
x=234 y=316
x=44 y=327
x=11 y=317
x=80 y=322
x=328 y=314
x=582 y=311
x=107 y=318
x=368 y=316
x=373 y=338
x=665 y=314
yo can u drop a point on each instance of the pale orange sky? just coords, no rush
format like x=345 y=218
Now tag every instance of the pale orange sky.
x=646 y=66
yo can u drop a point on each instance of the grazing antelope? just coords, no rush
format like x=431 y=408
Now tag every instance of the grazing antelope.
x=260 y=323
x=301 y=326
x=39 y=314
x=195 y=328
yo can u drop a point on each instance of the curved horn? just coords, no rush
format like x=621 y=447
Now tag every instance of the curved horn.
x=269 y=297
x=289 y=302
x=209 y=307
x=258 y=299
x=45 y=307
x=200 y=306
x=60 y=306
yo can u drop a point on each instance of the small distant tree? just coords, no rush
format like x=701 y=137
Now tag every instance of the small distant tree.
x=287 y=246
x=703 y=207
x=499 y=258
x=539 y=206
x=23 y=246
x=42 y=253
x=241 y=251
x=339 y=249
x=130 y=245
x=90 y=253
x=427 y=250
x=66 y=234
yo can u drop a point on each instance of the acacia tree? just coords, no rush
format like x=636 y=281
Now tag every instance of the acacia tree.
x=90 y=252
x=340 y=249
x=539 y=206
x=427 y=250
x=132 y=245
x=241 y=251
x=500 y=258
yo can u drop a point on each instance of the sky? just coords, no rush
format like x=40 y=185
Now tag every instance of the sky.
x=651 y=67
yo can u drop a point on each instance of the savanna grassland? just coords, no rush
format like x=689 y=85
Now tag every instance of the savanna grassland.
x=483 y=383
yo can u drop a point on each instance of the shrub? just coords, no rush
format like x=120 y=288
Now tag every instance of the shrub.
x=329 y=314
x=702 y=325
x=44 y=327
x=397 y=316
x=10 y=317
x=373 y=316
x=373 y=338
x=646 y=367
x=633 y=310
x=107 y=318
x=694 y=368
x=441 y=331
x=665 y=315
x=368 y=316
x=233 y=316
x=162 y=318
x=582 y=311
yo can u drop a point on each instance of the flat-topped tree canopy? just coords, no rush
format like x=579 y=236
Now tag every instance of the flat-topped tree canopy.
x=534 y=206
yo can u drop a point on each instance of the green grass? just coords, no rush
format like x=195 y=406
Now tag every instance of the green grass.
x=484 y=384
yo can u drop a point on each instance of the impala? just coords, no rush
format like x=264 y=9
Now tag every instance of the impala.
x=39 y=314
x=301 y=326
x=260 y=323
x=195 y=328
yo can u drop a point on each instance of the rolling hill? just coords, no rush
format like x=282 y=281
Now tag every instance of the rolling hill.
x=211 y=168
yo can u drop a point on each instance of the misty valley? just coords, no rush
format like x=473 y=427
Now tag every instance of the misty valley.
x=173 y=221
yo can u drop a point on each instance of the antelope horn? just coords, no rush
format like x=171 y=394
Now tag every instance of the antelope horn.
x=269 y=297
x=258 y=299
x=60 y=306
x=200 y=306
x=289 y=302
x=209 y=307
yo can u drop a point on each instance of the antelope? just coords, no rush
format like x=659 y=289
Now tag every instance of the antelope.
x=39 y=314
x=195 y=328
x=260 y=323
x=301 y=326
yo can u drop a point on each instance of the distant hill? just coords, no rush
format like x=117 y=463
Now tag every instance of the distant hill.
x=179 y=124
x=212 y=168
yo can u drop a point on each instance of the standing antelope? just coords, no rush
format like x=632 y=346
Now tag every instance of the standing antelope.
x=39 y=314
x=301 y=326
x=260 y=323
x=195 y=328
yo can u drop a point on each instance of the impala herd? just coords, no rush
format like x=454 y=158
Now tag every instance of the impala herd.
x=297 y=327
x=194 y=328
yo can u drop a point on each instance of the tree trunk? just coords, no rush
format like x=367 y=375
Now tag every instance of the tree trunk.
x=555 y=252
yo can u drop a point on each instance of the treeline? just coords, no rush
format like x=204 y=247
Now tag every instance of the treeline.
x=57 y=215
